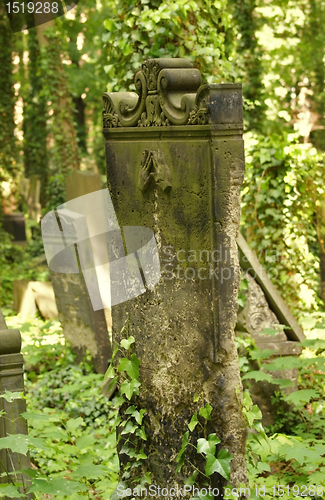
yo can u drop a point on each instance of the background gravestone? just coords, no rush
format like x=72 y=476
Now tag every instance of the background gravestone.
x=12 y=380
x=83 y=327
x=175 y=163
x=79 y=183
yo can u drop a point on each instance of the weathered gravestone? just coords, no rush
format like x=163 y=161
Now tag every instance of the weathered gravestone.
x=12 y=380
x=175 y=164
x=83 y=325
x=80 y=183
x=264 y=308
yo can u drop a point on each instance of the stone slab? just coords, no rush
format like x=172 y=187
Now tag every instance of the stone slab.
x=175 y=162
x=250 y=263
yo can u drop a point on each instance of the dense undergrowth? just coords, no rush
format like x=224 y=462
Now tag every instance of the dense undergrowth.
x=72 y=424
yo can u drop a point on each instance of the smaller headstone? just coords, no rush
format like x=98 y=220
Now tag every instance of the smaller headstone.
x=12 y=379
x=82 y=182
x=14 y=224
x=83 y=326
x=79 y=183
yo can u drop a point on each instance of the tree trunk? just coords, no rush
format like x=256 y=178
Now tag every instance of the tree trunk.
x=9 y=168
x=35 y=115
x=63 y=140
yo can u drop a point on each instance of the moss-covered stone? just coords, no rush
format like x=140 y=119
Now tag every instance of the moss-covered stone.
x=184 y=326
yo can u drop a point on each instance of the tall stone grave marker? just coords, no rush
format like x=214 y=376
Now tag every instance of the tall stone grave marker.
x=175 y=163
x=12 y=380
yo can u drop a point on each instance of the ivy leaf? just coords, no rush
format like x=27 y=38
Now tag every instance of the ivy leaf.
x=130 y=428
x=180 y=459
x=130 y=410
x=126 y=343
x=130 y=366
x=205 y=411
x=110 y=372
x=118 y=401
x=191 y=480
x=208 y=446
x=138 y=415
x=193 y=422
x=221 y=464
x=196 y=398
x=205 y=496
x=141 y=455
x=141 y=433
x=130 y=387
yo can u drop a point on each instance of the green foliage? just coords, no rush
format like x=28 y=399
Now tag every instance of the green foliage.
x=130 y=420
x=290 y=452
x=17 y=263
x=71 y=423
x=279 y=198
x=64 y=152
x=35 y=116
x=10 y=167
x=248 y=59
x=205 y=446
x=137 y=31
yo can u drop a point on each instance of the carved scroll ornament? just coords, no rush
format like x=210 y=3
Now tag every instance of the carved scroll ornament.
x=166 y=95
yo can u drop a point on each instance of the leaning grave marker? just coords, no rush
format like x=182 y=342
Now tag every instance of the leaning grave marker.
x=265 y=308
x=175 y=164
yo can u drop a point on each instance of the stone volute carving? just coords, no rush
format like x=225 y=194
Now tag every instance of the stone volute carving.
x=166 y=95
